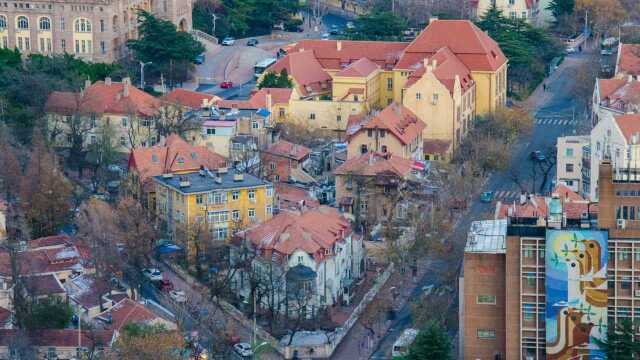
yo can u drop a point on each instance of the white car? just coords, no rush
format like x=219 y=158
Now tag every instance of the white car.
x=243 y=349
x=152 y=274
x=228 y=41
x=178 y=296
x=326 y=36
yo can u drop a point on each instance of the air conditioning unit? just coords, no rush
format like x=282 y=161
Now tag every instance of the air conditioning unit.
x=636 y=293
x=621 y=223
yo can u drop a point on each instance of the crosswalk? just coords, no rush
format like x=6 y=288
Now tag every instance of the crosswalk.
x=503 y=195
x=555 y=121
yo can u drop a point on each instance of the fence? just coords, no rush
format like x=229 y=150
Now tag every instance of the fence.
x=203 y=35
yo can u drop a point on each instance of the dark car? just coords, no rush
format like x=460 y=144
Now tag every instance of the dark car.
x=537 y=156
x=164 y=285
x=252 y=42
x=199 y=59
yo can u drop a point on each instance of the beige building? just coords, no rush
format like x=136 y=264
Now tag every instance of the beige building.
x=569 y=162
x=93 y=30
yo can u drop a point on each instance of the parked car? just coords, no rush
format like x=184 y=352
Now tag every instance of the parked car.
x=537 y=156
x=200 y=59
x=228 y=41
x=243 y=349
x=350 y=25
x=326 y=36
x=486 y=197
x=226 y=85
x=164 y=285
x=178 y=296
x=252 y=42
x=606 y=52
x=152 y=274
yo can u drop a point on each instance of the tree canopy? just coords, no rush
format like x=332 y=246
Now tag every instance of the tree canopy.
x=432 y=342
x=529 y=49
x=49 y=313
x=620 y=343
x=242 y=18
x=381 y=26
x=274 y=80
x=561 y=7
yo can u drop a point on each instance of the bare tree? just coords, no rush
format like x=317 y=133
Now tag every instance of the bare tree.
x=174 y=119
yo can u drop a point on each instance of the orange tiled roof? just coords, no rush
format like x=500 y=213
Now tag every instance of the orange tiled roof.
x=290 y=197
x=311 y=231
x=447 y=67
x=617 y=93
x=43 y=285
x=629 y=59
x=398 y=120
x=535 y=207
x=567 y=194
x=436 y=146
x=371 y=164
x=359 y=68
x=191 y=99
x=101 y=98
x=127 y=311
x=174 y=155
x=289 y=150
x=49 y=241
x=629 y=125
x=471 y=45
x=607 y=86
x=306 y=70
x=67 y=338
x=338 y=54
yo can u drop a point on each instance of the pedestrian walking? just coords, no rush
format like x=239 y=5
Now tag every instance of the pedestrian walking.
x=544 y=87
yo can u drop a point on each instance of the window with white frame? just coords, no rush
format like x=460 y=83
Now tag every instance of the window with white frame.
x=269 y=210
x=218 y=216
x=23 y=23
x=235 y=195
x=44 y=24
x=252 y=195
x=217 y=197
x=269 y=191
x=82 y=25
x=252 y=213
x=235 y=215
x=221 y=233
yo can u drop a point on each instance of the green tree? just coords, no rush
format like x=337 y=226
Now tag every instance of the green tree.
x=170 y=51
x=431 y=343
x=152 y=342
x=620 y=343
x=273 y=80
x=49 y=313
x=382 y=26
x=561 y=7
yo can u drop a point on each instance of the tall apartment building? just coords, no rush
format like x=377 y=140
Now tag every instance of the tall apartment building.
x=543 y=285
x=94 y=30
x=570 y=162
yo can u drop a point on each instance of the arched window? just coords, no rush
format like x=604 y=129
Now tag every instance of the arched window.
x=3 y=22
x=82 y=25
x=45 y=23
x=23 y=22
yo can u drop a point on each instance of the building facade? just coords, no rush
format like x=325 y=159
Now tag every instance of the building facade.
x=532 y=291
x=569 y=161
x=94 y=30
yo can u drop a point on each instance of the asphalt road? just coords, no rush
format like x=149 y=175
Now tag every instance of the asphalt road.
x=554 y=118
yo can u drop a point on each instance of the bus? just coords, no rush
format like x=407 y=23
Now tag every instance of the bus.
x=262 y=66
x=401 y=346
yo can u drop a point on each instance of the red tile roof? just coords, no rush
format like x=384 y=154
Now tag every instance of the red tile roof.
x=470 y=44
x=628 y=60
x=305 y=69
x=291 y=197
x=619 y=93
x=352 y=91
x=289 y=150
x=311 y=231
x=607 y=86
x=371 y=164
x=337 y=54
x=629 y=125
x=399 y=121
x=45 y=261
x=43 y=285
x=447 y=67
x=60 y=337
x=175 y=155
x=49 y=241
x=191 y=99
x=359 y=68
x=127 y=311
x=435 y=146
x=535 y=207
x=567 y=194
x=100 y=98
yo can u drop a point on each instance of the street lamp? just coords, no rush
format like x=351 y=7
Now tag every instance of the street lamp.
x=142 y=65
x=214 y=17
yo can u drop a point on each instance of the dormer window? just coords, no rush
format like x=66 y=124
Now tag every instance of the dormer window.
x=181 y=160
x=327 y=251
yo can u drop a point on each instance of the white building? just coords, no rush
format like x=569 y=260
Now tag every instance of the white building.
x=307 y=259
x=615 y=138
x=533 y=11
x=569 y=161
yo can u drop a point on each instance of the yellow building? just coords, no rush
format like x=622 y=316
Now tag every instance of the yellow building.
x=220 y=201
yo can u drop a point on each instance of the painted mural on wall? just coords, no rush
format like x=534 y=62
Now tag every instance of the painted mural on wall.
x=576 y=293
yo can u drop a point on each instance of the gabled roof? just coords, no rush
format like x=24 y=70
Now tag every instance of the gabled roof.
x=104 y=97
x=43 y=285
x=628 y=62
x=337 y=54
x=619 y=92
x=445 y=66
x=190 y=99
x=67 y=338
x=359 y=68
x=371 y=164
x=173 y=156
x=399 y=121
x=128 y=311
x=436 y=146
x=293 y=197
x=606 y=87
x=49 y=242
x=470 y=44
x=289 y=150
x=311 y=231
x=305 y=69
x=629 y=125
x=567 y=194
x=534 y=207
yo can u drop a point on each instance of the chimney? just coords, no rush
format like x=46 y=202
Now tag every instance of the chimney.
x=432 y=19
x=107 y=81
x=339 y=45
x=125 y=88
x=523 y=198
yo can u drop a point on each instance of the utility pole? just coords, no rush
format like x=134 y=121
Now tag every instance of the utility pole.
x=142 y=65
x=214 y=17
